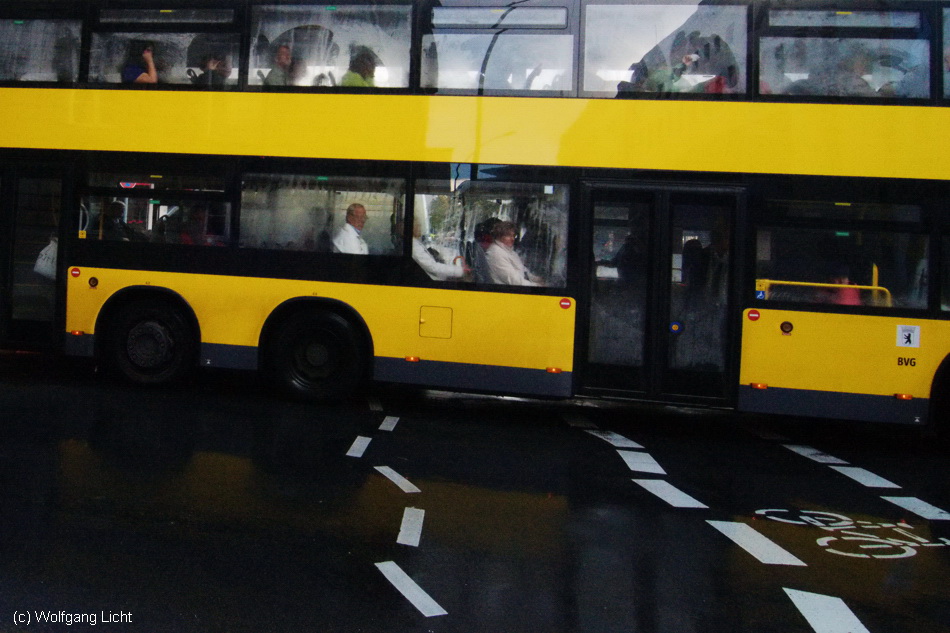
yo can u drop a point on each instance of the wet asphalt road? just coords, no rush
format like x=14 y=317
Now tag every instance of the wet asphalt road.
x=216 y=507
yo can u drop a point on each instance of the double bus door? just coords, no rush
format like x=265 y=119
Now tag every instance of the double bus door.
x=658 y=318
x=30 y=205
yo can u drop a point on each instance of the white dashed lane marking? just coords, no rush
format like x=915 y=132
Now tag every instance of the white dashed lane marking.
x=814 y=454
x=408 y=588
x=826 y=614
x=764 y=549
x=404 y=484
x=389 y=423
x=614 y=439
x=920 y=508
x=641 y=462
x=410 y=532
x=865 y=477
x=359 y=446
x=669 y=493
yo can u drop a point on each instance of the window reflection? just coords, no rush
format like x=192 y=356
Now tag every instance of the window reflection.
x=322 y=214
x=503 y=62
x=39 y=50
x=164 y=221
x=352 y=46
x=505 y=233
x=664 y=49
x=839 y=67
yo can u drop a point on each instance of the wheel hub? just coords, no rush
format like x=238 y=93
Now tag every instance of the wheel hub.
x=149 y=345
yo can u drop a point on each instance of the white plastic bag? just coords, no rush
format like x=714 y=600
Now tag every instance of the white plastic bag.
x=46 y=260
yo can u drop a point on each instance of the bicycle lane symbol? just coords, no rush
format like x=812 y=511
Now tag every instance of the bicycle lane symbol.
x=854 y=538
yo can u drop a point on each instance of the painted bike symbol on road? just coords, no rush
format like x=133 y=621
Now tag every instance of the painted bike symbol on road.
x=852 y=537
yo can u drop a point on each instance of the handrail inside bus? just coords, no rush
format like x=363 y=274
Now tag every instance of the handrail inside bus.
x=766 y=286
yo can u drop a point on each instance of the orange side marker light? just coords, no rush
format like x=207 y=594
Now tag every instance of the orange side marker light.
x=759 y=385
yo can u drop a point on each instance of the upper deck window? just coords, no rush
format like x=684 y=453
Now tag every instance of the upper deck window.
x=499 y=50
x=352 y=46
x=39 y=50
x=141 y=49
x=664 y=49
x=870 y=54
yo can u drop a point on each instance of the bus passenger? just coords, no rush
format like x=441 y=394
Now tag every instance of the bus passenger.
x=362 y=71
x=139 y=67
x=112 y=224
x=348 y=238
x=435 y=269
x=483 y=239
x=505 y=265
x=280 y=74
x=216 y=69
x=842 y=295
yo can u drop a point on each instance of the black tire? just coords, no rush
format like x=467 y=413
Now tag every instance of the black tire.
x=315 y=356
x=150 y=342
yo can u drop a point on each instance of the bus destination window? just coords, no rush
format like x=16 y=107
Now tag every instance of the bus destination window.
x=642 y=49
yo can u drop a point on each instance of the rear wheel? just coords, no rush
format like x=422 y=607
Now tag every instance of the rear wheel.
x=150 y=342
x=315 y=356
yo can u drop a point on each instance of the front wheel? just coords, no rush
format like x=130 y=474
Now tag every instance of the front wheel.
x=150 y=342
x=315 y=356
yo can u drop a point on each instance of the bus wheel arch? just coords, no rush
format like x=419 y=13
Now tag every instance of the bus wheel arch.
x=149 y=336
x=316 y=350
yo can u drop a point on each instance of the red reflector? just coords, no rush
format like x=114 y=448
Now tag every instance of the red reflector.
x=759 y=385
x=903 y=396
x=77 y=332
x=554 y=370
x=412 y=359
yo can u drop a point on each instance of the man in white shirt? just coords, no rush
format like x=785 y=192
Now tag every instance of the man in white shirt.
x=348 y=238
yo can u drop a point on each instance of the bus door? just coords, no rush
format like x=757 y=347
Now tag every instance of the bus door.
x=29 y=219
x=658 y=319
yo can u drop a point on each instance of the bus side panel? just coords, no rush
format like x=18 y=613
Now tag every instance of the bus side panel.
x=839 y=365
x=517 y=342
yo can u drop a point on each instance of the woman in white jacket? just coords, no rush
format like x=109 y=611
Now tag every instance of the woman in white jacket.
x=504 y=264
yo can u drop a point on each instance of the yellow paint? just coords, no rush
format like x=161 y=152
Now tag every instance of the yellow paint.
x=844 y=140
x=841 y=353
x=487 y=328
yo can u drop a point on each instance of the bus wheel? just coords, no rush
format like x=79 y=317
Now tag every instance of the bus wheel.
x=150 y=343
x=315 y=356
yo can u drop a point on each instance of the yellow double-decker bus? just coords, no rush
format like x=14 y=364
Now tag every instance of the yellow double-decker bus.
x=725 y=203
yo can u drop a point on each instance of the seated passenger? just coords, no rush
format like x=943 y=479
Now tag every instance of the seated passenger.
x=216 y=68
x=282 y=74
x=842 y=296
x=112 y=224
x=348 y=238
x=483 y=239
x=435 y=269
x=362 y=71
x=139 y=67
x=504 y=264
